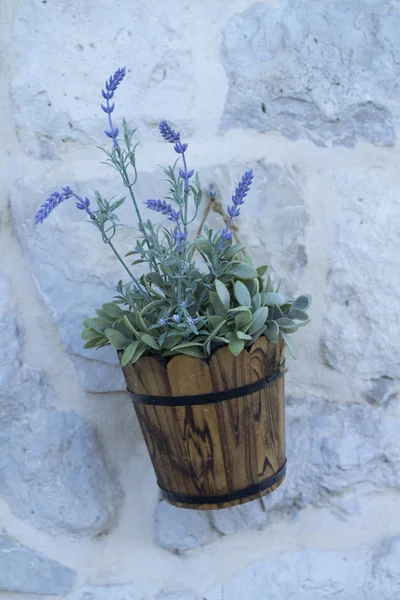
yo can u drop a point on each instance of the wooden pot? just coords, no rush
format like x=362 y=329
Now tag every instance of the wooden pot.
x=215 y=429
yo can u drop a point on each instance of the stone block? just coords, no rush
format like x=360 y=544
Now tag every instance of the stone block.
x=310 y=71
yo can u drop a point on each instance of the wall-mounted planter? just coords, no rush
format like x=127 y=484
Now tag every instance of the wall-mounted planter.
x=215 y=429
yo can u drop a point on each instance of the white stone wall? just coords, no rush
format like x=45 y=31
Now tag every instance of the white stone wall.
x=306 y=93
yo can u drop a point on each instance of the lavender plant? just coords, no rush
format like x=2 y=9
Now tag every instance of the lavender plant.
x=177 y=306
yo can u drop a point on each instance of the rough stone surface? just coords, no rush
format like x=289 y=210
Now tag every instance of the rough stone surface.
x=328 y=74
x=9 y=335
x=52 y=472
x=335 y=449
x=359 y=339
x=113 y=592
x=386 y=568
x=26 y=571
x=180 y=529
x=307 y=575
x=239 y=518
x=57 y=478
x=176 y=596
x=383 y=390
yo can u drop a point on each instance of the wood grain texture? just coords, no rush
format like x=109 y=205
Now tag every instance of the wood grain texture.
x=210 y=449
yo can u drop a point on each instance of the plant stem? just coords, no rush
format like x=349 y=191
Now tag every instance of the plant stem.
x=128 y=270
x=186 y=193
x=128 y=184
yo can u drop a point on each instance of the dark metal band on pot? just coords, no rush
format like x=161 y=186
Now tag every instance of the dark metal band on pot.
x=251 y=490
x=212 y=398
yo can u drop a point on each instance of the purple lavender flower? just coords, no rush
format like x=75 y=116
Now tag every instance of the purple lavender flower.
x=226 y=235
x=163 y=207
x=49 y=205
x=176 y=318
x=191 y=321
x=83 y=204
x=174 y=137
x=179 y=236
x=162 y=321
x=168 y=133
x=67 y=192
x=237 y=199
x=111 y=86
x=56 y=198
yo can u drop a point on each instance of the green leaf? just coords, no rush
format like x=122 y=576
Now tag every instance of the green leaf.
x=187 y=345
x=302 y=302
x=270 y=298
x=272 y=331
x=155 y=278
x=259 y=318
x=141 y=349
x=243 y=320
x=238 y=309
x=116 y=338
x=256 y=301
x=215 y=320
x=242 y=294
x=257 y=334
x=128 y=353
x=236 y=345
x=217 y=304
x=286 y=323
x=130 y=326
x=192 y=352
x=150 y=341
x=261 y=270
x=99 y=324
x=299 y=315
x=140 y=322
x=223 y=293
x=89 y=334
x=290 y=346
x=170 y=340
x=112 y=310
x=242 y=336
x=234 y=249
x=202 y=245
x=104 y=316
x=214 y=332
x=151 y=305
x=99 y=341
x=242 y=270
x=86 y=323
x=269 y=287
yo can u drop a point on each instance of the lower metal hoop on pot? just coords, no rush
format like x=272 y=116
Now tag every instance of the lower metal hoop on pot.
x=251 y=490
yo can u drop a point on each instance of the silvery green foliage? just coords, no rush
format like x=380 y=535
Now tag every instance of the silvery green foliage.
x=230 y=303
x=176 y=306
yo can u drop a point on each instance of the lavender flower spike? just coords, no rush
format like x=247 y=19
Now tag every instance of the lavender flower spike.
x=49 y=205
x=237 y=199
x=111 y=86
x=56 y=198
x=168 y=133
x=163 y=207
x=174 y=137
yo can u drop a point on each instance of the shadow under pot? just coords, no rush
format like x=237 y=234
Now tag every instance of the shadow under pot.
x=214 y=429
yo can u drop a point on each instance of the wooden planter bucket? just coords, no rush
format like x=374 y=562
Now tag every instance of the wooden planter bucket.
x=215 y=429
